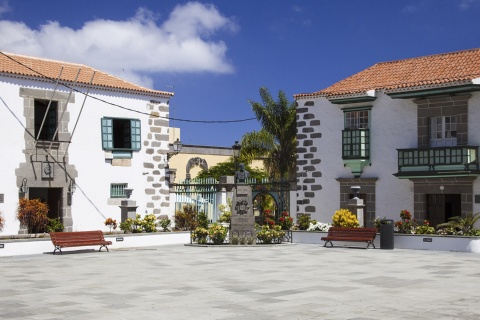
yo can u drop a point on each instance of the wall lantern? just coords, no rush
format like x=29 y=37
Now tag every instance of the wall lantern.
x=72 y=187
x=24 y=187
x=177 y=147
x=167 y=174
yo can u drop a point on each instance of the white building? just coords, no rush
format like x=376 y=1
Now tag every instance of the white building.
x=56 y=137
x=406 y=131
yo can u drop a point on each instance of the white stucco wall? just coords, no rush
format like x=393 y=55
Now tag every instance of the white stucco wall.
x=474 y=138
x=393 y=124
x=91 y=203
x=12 y=145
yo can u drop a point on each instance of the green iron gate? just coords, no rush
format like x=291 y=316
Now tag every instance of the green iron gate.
x=201 y=193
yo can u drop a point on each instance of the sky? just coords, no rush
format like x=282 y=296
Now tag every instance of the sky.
x=216 y=55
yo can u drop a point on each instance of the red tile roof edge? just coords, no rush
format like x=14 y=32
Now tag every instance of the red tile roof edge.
x=34 y=68
x=373 y=75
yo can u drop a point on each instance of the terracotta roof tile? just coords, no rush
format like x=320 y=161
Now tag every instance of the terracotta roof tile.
x=434 y=70
x=26 y=66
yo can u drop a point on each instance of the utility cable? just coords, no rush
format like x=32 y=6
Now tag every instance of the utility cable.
x=122 y=107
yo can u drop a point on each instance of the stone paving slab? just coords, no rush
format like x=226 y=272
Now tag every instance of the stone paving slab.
x=288 y=281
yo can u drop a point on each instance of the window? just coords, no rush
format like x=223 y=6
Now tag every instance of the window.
x=121 y=134
x=356 y=119
x=443 y=131
x=117 y=190
x=356 y=136
x=45 y=120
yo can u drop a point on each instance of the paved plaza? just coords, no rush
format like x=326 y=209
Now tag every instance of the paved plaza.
x=288 y=281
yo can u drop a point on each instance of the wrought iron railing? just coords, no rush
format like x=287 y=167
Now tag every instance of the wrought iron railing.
x=457 y=158
x=356 y=144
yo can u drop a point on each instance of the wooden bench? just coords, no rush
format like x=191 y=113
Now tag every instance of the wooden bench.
x=78 y=239
x=351 y=234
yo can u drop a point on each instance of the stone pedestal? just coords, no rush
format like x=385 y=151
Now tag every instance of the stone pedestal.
x=243 y=220
x=356 y=206
x=128 y=209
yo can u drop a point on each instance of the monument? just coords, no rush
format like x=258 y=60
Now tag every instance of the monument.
x=242 y=223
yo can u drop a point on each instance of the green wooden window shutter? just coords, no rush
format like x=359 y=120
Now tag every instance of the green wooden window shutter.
x=135 y=134
x=107 y=134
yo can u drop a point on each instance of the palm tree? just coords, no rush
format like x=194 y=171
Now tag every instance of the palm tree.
x=276 y=141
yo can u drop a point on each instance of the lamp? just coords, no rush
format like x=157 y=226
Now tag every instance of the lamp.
x=72 y=187
x=236 y=154
x=236 y=150
x=167 y=174
x=24 y=187
x=177 y=147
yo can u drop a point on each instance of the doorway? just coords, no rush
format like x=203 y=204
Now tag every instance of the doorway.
x=52 y=197
x=442 y=207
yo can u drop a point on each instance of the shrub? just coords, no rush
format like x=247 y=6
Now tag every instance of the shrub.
x=285 y=221
x=112 y=224
x=268 y=218
x=54 y=225
x=217 y=233
x=164 y=222
x=425 y=228
x=303 y=221
x=376 y=222
x=318 y=226
x=138 y=225
x=2 y=221
x=187 y=218
x=149 y=223
x=32 y=213
x=462 y=226
x=269 y=234
x=226 y=211
x=344 y=218
x=202 y=220
x=200 y=235
x=407 y=224
x=235 y=240
x=126 y=226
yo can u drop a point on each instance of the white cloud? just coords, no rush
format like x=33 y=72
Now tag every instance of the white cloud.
x=132 y=49
x=465 y=4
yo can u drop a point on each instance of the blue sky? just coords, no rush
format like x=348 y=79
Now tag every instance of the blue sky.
x=215 y=55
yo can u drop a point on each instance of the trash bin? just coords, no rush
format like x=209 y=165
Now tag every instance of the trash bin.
x=386 y=234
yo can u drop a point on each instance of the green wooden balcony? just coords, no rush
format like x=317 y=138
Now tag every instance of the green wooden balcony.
x=356 y=144
x=438 y=161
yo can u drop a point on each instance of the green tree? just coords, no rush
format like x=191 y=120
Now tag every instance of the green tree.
x=227 y=168
x=276 y=142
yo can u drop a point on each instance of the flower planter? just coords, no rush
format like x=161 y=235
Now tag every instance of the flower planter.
x=15 y=247
x=404 y=241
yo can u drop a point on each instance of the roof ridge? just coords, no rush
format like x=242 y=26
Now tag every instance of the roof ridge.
x=436 y=70
x=47 y=59
x=41 y=68
x=427 y=56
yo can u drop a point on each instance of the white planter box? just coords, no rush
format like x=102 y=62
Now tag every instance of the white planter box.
x=17 y=247
x=403 y=241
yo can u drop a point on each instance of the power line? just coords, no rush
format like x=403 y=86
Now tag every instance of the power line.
x=122 y=107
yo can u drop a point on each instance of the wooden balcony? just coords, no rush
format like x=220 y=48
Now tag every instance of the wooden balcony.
x=438 y=161
x=356 y=144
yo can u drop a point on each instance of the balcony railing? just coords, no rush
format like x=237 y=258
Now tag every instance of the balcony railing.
x=356 y=144
x=433 y=161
